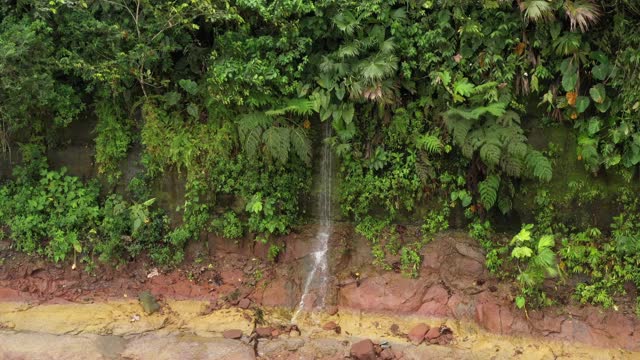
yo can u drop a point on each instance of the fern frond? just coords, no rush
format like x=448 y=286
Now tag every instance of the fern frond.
x=504 y=204
x=488 y=189
x=276 y=141
x=512 y=166
x=509 y=118
x=301 y=144
x=430 y=143
x=459 y=127
x=490 y=154
x=248 y=122
x=251 y=142
x=299 y=106
x=496 y=109
x=539 y=165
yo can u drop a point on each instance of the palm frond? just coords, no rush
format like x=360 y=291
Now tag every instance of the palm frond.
x=581 y=13
x=536 y=10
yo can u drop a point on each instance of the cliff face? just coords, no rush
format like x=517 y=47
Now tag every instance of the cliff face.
x=453 y=287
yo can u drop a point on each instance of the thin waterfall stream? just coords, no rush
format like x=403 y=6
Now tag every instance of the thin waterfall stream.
x=319 y=275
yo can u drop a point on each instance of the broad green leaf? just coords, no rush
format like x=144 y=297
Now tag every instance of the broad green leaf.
x=602 y=71
x=192 y=109
x=189 y=86
x=520 y=302
x=604 y=106
x=569 y=81
x=521 y=252
x=582 y=103
x=347 y=113
x=598 y=93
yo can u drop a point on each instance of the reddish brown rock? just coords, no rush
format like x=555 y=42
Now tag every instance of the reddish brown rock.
x=363 y=350
x=332 y=310
x=275 y=333
x=387 y=354
x=432 y=334
x=234 y=334
x=387 y=292
x=244 y=303
x=435 y=302
x=277 y=293
x=264 y=332
x=417 y=333
x=330 y=326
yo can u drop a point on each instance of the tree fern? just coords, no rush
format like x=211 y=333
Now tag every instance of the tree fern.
x=488 y=189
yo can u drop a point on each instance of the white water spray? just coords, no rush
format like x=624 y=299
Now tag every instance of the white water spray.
x=319 y=274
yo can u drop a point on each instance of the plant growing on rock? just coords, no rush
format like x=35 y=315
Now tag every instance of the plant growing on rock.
x=535 y=261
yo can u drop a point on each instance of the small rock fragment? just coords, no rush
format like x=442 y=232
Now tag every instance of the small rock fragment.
x=234 y=334
x=153 y=273
x=244 y=303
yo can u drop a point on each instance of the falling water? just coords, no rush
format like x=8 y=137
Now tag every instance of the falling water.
x=318 y=276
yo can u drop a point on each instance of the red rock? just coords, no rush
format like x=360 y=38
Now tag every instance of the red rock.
x=387 y=354
x=388 y=292
x=232 y=334
x=432 y=334
x=275 y=333
x=363 y=350
x=332 y=310
x=244 y=303
x=330 y=326
x=264 y=332
x=277 y=294
x=395 y=329
x=417 y=333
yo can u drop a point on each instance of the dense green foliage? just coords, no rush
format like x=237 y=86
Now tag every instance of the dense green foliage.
x=431 y=104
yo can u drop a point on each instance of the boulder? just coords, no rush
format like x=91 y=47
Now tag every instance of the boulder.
x=417 y=333
x=363 y=350
x=233 y=334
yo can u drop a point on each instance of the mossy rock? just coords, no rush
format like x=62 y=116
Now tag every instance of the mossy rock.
x=148 y=302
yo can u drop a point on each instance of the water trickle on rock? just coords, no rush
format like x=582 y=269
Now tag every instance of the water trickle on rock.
x=319 y=275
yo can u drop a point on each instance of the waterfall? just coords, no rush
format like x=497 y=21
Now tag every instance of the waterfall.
x=319 y=274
